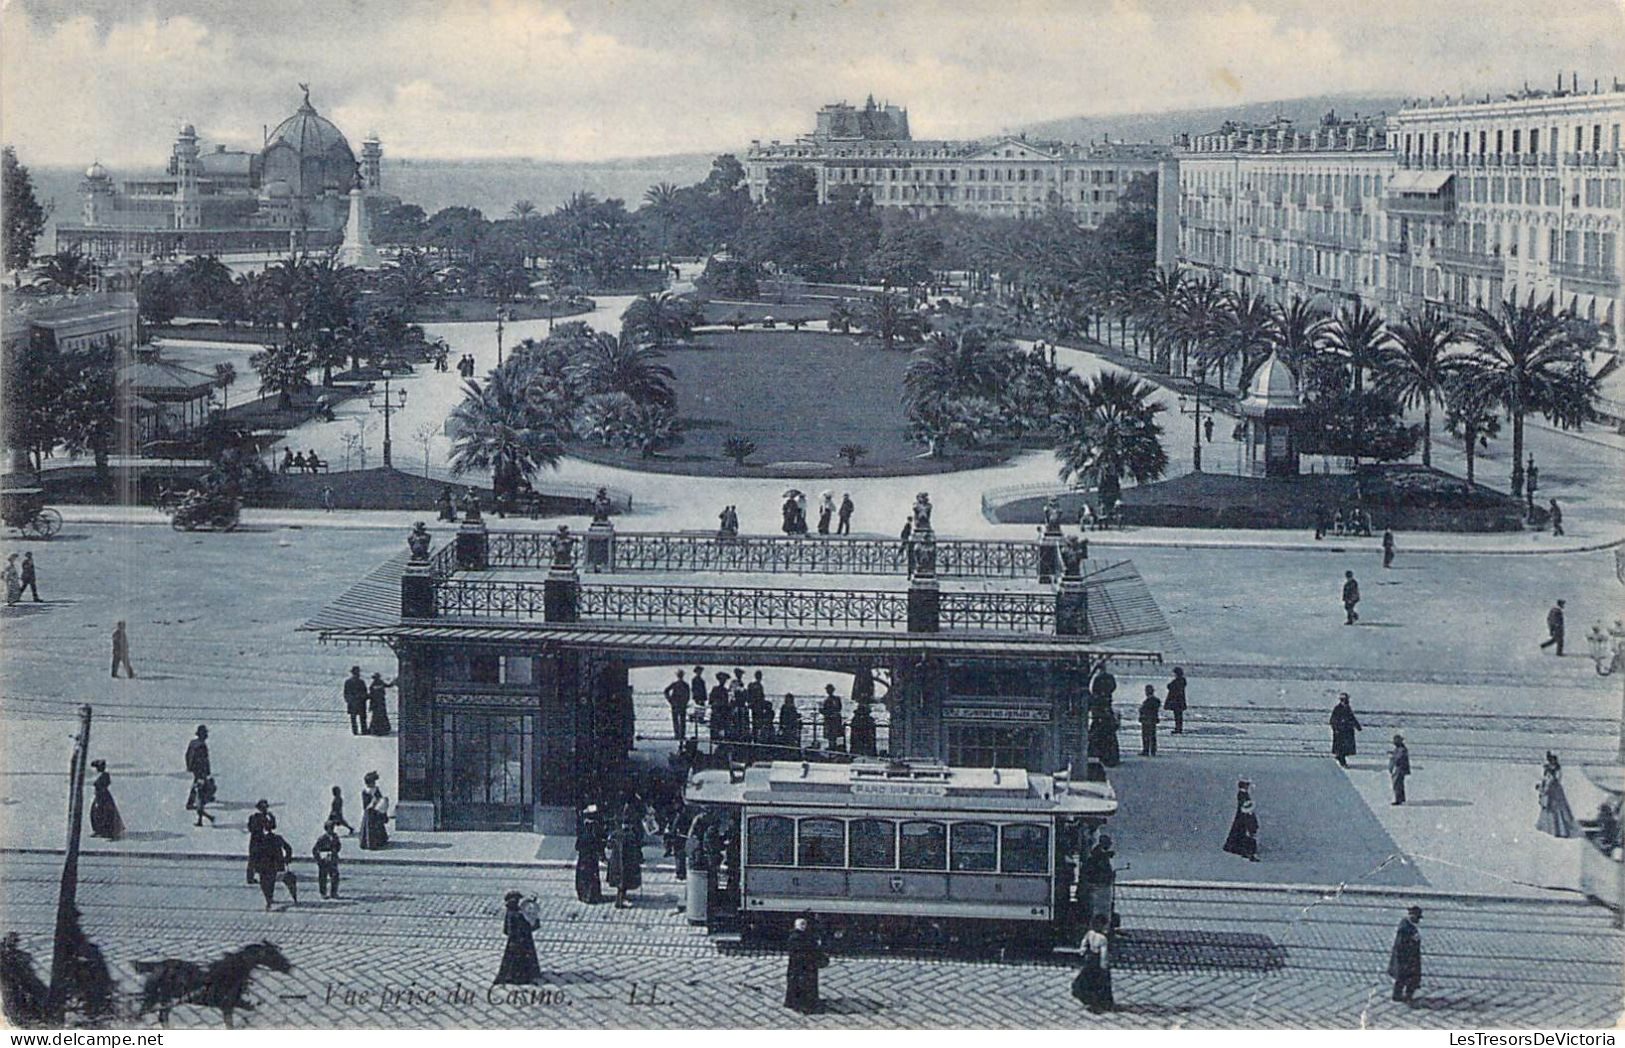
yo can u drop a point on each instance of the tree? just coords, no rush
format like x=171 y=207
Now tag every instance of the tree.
x=1353 y=337
x=1297 y=332
x=738 y=448
x=1357 y=424
x=1414 y=365
x=887 y=317
x=793 y=187
x=495 y=427
x=1110 y=431
x=88 y=405
x=942 y=422
x=70 y=270
x=1246 y=333
x=1529 y=356
x=225 y=375
x=652 y=427
x=971 y=362
x=24 y=217
x=410 y=283
x=660 y=319
x=523 y=211
x=283 y=370
x=841 y=317
x=29 y=398
x=207 y=285
x=1471 y=413
x=159 y=297
x=851 y=453
x=607 y=364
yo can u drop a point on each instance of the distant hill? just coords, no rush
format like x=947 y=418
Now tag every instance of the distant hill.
x=1165 y=126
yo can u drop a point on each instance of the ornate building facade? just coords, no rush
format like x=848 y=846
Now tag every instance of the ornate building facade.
x=1012 y=177
x=293 y=192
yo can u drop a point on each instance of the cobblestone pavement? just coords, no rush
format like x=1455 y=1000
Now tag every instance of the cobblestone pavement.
x=1188 y=958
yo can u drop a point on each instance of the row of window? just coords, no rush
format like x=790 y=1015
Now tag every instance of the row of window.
x=980 y=174
x=1447 y=143
x=891 y=844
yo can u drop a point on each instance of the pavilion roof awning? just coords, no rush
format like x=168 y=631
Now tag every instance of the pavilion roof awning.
x=1429 y=183
x=160 y=378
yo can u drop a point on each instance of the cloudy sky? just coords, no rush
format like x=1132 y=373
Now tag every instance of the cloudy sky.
x=568 y=80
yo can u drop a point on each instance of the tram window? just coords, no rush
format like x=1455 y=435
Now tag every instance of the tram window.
x=1025 y=849
x=772 y=841
x=976 y=847
x=823 y=843
x=874 y=844
x=924 y=846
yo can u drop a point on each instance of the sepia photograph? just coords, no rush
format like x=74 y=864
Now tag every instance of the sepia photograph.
x=933 y=496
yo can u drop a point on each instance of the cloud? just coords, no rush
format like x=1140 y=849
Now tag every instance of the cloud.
x=574 y=79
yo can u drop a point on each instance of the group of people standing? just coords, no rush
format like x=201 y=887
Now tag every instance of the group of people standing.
x=794 y=513
x=742 y=723
x=367 y=704
x=20 y=578
x=1104 y=723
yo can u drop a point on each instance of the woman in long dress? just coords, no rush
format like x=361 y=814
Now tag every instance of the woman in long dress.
x=1556 y=817
x=805 y=957
x=1093 y=984
x=105 y=821
x=626 y=860
x=519 y=964
x=14 y=580
x=589 y=849
x=1344 y=725
x=378 y=706
x=374 y=814
x=1243 y=837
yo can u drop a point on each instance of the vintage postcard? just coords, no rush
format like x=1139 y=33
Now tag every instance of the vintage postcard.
x=813 y=514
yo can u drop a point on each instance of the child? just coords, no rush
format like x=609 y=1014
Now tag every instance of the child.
x=335 y=814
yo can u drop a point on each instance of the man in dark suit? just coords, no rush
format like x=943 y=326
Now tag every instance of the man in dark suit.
x=1351 y=597
x=355 y=701
x=1175 y=702
x=1405 y=959
x=1554 y=628
x=121 y=650
x=677 y=694
x=696 y=686
x=197 y=763
x=1149 y=716
x=260 y=823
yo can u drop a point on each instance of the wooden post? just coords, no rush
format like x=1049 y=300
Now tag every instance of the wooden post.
x=67 y=895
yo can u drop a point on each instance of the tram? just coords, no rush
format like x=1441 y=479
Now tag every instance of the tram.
x=907 y=852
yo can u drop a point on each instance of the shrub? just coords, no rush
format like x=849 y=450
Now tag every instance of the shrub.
x=739 y=449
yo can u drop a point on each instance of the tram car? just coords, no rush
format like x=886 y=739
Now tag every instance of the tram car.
x=906 y=852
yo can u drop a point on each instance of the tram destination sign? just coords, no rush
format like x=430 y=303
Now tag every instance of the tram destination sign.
x=900 y=789
x=1019 y=714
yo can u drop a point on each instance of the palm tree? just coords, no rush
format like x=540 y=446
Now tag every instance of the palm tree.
x=225 y=374
x=284 y=370
x=523 y=211
x=661 y=196
x=651 y=427
x=70 y=270
x=410 y=282
x=886 y=316
x=495 y=427
x=1298 y=329
x=971 y=362
x=660 y=319
x=1415 y=363
x=1471 y=413
x=607 y=364
x=1529 y=356
x=1353 y=336
x=1199 y=321
x=1246 y=334
x=1110 y=431
x=1160 y=308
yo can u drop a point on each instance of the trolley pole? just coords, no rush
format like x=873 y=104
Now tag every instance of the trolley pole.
x=67 y=896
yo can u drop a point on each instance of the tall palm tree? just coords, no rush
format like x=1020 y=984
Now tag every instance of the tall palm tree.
x=1529 y=356
x=70 y=270
x=225 y=375
x=886 y=316
x=1110 y=431
x=607 y=364
x=1199 y=319
x=1246 y=334
x=661 y=196
x=1298 y=329
x=495 y=427
x=660 y=319
x=523 y=211
x=1353 y=336
x=410 y=282
x=1415 y=363
x=1160 y=308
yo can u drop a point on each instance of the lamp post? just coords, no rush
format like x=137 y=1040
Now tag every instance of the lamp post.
x=1196 y=426
x=502 y=315
x=1608 y=656
x=389 y=404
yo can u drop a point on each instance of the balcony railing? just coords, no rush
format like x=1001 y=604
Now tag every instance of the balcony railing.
x=646 y=551
x=1440 y=205
x=1472 y=261
x=1594 y=275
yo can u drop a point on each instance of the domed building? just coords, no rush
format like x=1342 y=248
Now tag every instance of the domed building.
x=293 y=193
x=1269 y=411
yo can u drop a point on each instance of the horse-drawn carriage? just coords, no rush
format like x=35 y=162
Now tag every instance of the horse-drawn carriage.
x=25 y=510
x=213 y=511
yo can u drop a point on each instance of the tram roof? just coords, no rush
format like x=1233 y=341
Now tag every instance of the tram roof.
x=909 y=785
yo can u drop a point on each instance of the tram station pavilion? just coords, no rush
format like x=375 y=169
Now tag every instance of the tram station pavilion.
x=515 y=653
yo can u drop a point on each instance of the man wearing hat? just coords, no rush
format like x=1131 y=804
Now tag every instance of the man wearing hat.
x=260 y=823
x=197 y=763
x=1554 y=628
x=355 y=701
x=1399 y=766
x=1405 y=959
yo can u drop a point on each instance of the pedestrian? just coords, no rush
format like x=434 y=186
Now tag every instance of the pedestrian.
x=1150 y=708
x=287 y=461
x=1405 y=958
x=269 y=857
x=861 y=732
x=834 y=725
x=519 y=964
x=589 y=853
x=448 y=508
x=843 y=516
x=1337 y=521
x=1092 y=986
x=1207 y=429
x=197 y=765
x=1556 y=817
x=327 y=497
x=826 y=511
x=31 y=581
x=906 y=545
x=121 y=649
x=1321 y=522
x=326 y=853
x=1557 y=517
x=1243 y=837
x=1344 y=725
x=335 y=811
x=1399 y=768
x=1531 y=482
x=626 y=859
x=378 y=705
x=14 y=582
x=105 y=821
x=1554 y=628
x=696 y=687
x=374 y=814
x=677 y=699
x=804 y=958
x=1387 y=548
x=1174 y=703
x=355 y=701
x=789 y=723
x=1086 y=517
x=1351 y=597
x=260 y=822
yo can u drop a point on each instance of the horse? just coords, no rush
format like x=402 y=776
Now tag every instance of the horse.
x=221 y=985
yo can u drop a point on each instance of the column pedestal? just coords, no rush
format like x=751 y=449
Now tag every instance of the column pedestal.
x=924 y=606
x=473 y=546
x=561 y=596
x=417 y=591
x=601 y=547
x=1071 y=609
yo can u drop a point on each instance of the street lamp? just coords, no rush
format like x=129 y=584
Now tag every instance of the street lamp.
x=389 y=404
x=1196 y=426
x=502 y=315
x=1608 y=655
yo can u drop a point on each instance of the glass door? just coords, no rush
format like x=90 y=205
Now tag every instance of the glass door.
x=485 y=768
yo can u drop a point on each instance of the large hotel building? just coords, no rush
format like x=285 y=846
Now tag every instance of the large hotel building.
x=1010 y=177
x=1455 y=205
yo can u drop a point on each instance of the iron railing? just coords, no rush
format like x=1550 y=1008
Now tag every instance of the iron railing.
x=702 y=606
x=480 y=599
x=443 y=562
x=998 y=612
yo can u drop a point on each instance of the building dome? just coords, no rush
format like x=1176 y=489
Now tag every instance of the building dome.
x=1273 y=387
x=96 y=170
x=309 y=153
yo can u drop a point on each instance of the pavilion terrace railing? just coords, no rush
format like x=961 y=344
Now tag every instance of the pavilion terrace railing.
x=998 y=612
x=479 y=599
x=657 y=551
x=443 y=563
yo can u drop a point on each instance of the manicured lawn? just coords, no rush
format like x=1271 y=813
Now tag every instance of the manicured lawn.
x=798 y=395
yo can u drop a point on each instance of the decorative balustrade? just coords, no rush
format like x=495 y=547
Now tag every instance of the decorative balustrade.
x=461 y=598
x=998 y=612
x=1584 y=273
x=444 y=561
x=643 y=551
x=1475 y=261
